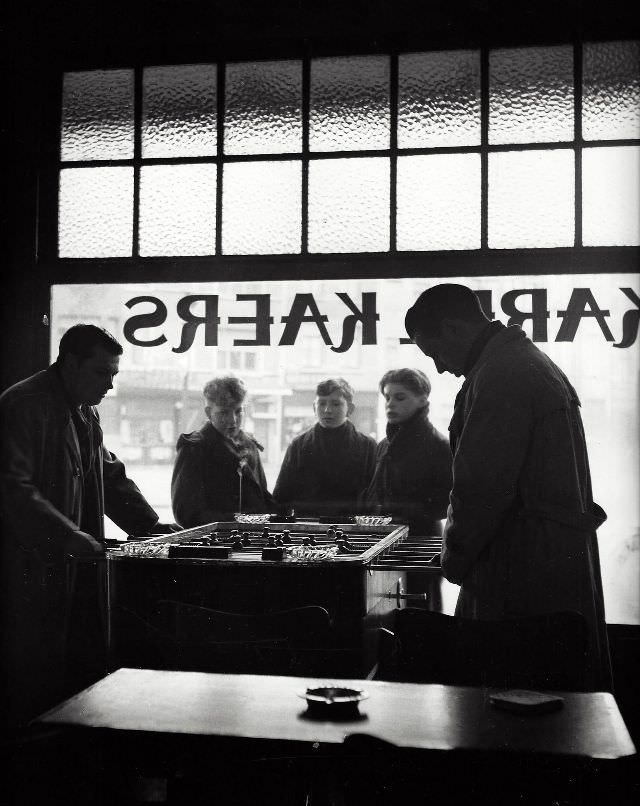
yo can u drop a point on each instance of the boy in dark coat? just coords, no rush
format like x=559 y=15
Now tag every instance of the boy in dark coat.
x=218 y=470
x=412 y=476
x=326 y=467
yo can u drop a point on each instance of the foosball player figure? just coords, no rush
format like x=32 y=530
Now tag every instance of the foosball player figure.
x=246 y=540
x=237 y=541
x=286 y=537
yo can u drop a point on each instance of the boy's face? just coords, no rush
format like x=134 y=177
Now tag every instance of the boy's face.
x=226 y=417
x=331 y=410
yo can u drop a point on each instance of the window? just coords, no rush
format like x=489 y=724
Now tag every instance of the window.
x=451 y=150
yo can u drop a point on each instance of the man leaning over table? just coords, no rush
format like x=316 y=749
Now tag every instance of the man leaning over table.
x=520 y=535
x=57 y=481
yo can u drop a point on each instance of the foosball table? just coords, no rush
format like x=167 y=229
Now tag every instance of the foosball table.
x=357 y=572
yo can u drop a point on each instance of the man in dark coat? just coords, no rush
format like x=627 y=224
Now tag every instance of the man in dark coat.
x=57 y=481
x=326 y=467
x=218 y=471
x=520 y=536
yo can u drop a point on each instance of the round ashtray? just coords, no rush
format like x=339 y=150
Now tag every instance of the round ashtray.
x=242 y=517
x=372 y=520
x=333 y=701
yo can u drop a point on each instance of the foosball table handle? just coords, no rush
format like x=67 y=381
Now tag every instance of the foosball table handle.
x=399 y=595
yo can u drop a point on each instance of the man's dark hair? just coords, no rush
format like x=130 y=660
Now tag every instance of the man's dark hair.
x=444 y=301
x=82 y=340
x=225 y=390
x=325 y=388
x=414 y=379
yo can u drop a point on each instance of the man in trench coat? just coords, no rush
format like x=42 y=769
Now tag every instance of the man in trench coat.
x=57 y=480
x=520 y=532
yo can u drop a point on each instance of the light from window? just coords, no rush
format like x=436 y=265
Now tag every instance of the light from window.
x=439 y=202
x=531 y=95
x=349 y=103
x=439 y=99
x=263 y=108
x=97 y=115
x=531 y=199
x=349 y=205
x=611 y=196
x=178 y=209
x=261 y=208
x=611 y=90
x=95 y=212
x=179 y=111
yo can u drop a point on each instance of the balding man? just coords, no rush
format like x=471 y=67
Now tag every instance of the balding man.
x=520 y=532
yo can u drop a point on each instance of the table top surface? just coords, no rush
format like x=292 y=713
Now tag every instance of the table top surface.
x=426 y=717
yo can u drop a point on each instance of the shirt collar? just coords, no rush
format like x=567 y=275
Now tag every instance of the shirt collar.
x=486 y=334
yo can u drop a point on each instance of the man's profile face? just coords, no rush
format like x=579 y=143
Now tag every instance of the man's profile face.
x=331 y=410
x=87 y=380
x=226 y=416
x=447 y=354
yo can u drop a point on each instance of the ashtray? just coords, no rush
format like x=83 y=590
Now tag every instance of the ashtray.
x=372 y=520
x=262 y=517
x=333 y=701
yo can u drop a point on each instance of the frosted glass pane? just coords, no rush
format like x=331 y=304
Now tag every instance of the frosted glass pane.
x=531 y=95
x=261 y=208
x=178 y=210
x=439 y=99
x=179 y=111
x=263 y=107
x=531 y=199
x=611 y=196
x=95 y=216
x=611 y=90
x=349 y=103
x=438 y=200
x=97 y=115
x=349 y=205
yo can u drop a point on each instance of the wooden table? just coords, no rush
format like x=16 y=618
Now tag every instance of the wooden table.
x=421 y=717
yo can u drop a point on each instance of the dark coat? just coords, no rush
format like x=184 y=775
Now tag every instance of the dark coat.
x=412 y=477
x=324 y=470
x=520 y=534
x=45 y=494
x=206 y=485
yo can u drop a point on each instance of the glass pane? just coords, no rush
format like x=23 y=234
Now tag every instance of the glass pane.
x=439 y=99
x=349 y=205
x=263 y=108
x=179 y=111
x=611 y=90
x=261 y=208
x=97 y=115
x=95 y=212
x=531 y=199
x=611 y=196
x=531 y=95
x=178 y=210
x=439 y=202
x=349 y=103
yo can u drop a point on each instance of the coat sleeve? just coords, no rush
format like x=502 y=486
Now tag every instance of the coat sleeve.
x=262 y=481
x=190 y=504
x=490 y=453
x=123 y=501
x=440 y=481
x=35 y=521
x=369 y=463
x=286 y=488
